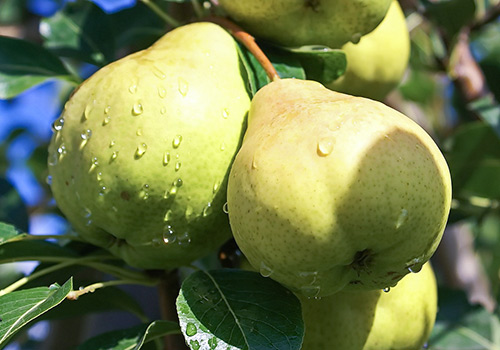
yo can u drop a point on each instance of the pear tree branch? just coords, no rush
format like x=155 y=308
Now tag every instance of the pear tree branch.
x=249 y=42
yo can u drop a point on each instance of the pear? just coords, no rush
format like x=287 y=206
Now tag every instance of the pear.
x=141 y=154
x=376 y=64
x=331 y=192
x=297 y=22
x=399 y=319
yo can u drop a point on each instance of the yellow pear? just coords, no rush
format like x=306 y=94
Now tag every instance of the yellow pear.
x=331 y=191
x=377 y=63
x=298 y=22
x=400 y=319
x=141 y=154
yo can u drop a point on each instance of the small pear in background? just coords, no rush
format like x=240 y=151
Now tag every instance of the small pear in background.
x=399 y=319
x=376 y=64
x=141 y=154
x=297 y=22
x=332 y=192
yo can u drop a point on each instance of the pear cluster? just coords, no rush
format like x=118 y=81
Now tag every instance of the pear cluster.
x=163 y=155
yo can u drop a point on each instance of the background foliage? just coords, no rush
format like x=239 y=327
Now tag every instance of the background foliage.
x=47 y=47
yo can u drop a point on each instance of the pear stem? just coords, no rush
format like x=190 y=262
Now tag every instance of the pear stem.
x=249 y=42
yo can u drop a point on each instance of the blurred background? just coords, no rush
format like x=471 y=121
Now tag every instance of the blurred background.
x=451 y=88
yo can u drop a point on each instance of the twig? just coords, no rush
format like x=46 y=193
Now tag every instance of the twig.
x=249 y=41
x=168 y=19
x=491 y=15
x=168 y=290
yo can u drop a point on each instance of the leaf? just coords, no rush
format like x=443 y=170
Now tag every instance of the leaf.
x=451 y=15
x=24 y=65
x=12 y=208
x=83 y=31
x=489 y=111
x=19 y=308
x=321 y=63
x=33 y=250
x=7 y=232
x=478 y=329
x=236 y=309
x=130 y=338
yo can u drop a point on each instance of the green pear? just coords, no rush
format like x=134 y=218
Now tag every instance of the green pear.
x=141 y=154
x=297 y=22
x=400 y=319
x=331 y=191
x=377 y=63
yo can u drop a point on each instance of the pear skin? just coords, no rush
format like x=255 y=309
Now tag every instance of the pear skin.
x=141 y=154
x=297 y=22
x=333 y=192
x=400 y=319
x=376 y=64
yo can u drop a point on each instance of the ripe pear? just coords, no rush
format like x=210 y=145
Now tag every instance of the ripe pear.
x=297 y=22
x=331 y=191
x=400 y=319
x=141 y=154
x=377 y=63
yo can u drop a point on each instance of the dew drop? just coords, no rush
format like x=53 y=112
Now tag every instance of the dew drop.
x=402 y=218
x=139 y=132
x=212 y=342
x=207 y=210
x=48 y=180
x=310 y=291
x=222 y=146
x=144 y=194
x=86 y=112
x=166 y=158
x=325 y=146
x=86 y=134
x=93 y=164
x=114 y=155
x=387 y=289
x=158 y=72
x=184 y=239
x=163 y=110
x=355 y=38
x=140 y=150
x=58 y=125
x=61 y=151
x=112 y=143
x=183 y=86
x=215 y=187
x=132 y=89
x=87 y=213
x=162 y=92
x=254 y=163
x=176 y=142
x=265 y=270
x=169 y=234
x=225 y=113
x=194 y=344
x=156 y=243
x=103 y=190
x=189 y=212
x=225 y=208
x=107 y=109
x=177 y=166
x=191 y=329
x=53 y=158
x=137 y=108
x=99 y=176
x=106 y=120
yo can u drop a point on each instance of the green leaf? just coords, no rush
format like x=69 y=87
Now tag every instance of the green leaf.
x=33 y=250
x=131 y=338
x=477 y=329
x=81 y=30
x=12 y=208
x=7 y=232
x=24 y=65
x=19 y=308
x=321 y=63
x=451 y=15
x=489 y=111
x=234 y=309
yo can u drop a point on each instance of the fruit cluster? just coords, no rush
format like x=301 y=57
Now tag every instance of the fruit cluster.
x=162 y=156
